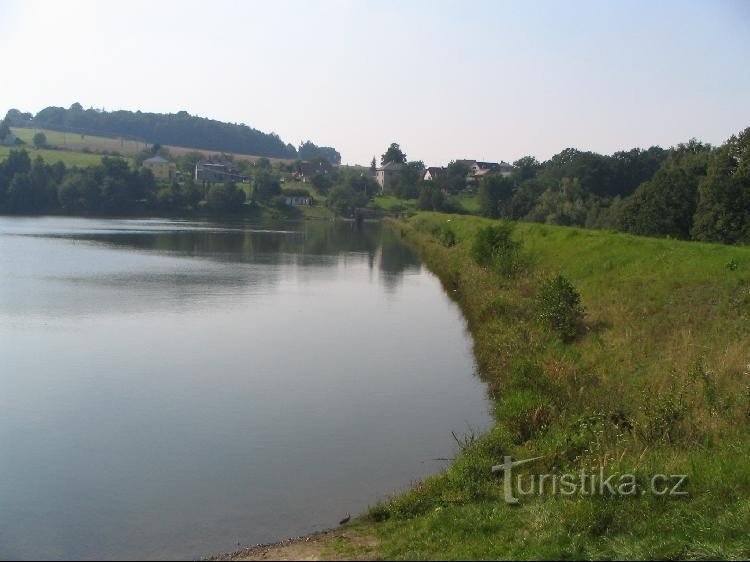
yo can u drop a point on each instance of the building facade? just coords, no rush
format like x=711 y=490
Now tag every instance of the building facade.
x=384 y=175
x=209 y=171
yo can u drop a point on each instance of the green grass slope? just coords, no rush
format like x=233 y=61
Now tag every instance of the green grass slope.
x=658 y=383
x=50 y=156
x=81 y=144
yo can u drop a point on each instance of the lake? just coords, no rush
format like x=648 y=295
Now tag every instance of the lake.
x=170 y=388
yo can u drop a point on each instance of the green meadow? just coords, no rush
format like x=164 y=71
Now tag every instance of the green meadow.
x=656 y=382
x=78 y=143
x=51 y=156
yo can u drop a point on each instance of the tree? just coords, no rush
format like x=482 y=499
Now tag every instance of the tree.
x=309 y=150
x=263 y=164
x=353 y=190
x=525 y=168
x=40 y=140
x=344 y=200
x=633 y=167
x=455 y=177
x=431 y=198
x=665 y=205
x=225 y=197
x=265 y=186
x=407 y=180
x=321 y=182
x=560 y=309
x=79 y=192
x=524 y=198
x=187 y=162
x=32 y=191
x=495 y=192
x=4 y=129
x=393 y=154
x=723 y=210
x=594 y=171
x=563 y=205
x=373 y=165
x=18 y=162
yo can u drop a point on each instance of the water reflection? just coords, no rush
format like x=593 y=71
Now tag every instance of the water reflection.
x=171 y=387
x=228 y=255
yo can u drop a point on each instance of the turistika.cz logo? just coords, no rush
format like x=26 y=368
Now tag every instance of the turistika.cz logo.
x=584 y=483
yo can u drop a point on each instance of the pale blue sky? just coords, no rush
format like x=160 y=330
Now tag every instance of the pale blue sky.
x=487 y=80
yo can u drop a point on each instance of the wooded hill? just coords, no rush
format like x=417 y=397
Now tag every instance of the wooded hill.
x=179 y=129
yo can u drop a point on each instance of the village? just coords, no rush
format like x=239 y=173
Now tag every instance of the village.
x=295 y=179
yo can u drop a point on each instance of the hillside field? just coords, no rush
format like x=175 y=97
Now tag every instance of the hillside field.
x=78 y=143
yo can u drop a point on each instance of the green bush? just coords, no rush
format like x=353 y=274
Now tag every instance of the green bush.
x=560 y=308
x=495 y=247
x=445 y=235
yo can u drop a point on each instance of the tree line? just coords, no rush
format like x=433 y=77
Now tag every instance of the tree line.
x=114 y=187
x=692 y=191
x=180 y=129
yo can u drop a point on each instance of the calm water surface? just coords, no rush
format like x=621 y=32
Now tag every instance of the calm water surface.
x=169 y=388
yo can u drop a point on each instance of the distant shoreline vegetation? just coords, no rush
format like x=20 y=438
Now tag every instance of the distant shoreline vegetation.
x=179 y=129
x=692 y=191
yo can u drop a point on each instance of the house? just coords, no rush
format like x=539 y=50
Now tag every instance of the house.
x=162 y=168
x=384 y=175
x=479 y=169
x=433 y=172
x=208 y=171
x=468 y=163
x=298 y=201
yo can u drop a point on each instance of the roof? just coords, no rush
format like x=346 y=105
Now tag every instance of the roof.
x=488 y=165
x=435 y=171
x=156 y=160
x=391 y=166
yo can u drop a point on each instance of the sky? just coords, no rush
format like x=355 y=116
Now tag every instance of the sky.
x=486 y=80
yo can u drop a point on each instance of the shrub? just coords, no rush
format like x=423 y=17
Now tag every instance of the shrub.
x=495 y=247
x=445 y=235
x=560 y=308
x=40 y=140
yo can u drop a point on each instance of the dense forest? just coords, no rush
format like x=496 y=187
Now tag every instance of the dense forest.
x=178 y=129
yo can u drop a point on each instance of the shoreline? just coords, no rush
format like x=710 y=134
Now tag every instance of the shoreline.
x=562 y=401
x=314 y=546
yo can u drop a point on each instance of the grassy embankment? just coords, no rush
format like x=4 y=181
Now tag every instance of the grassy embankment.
x=658 y=382
x=390 y=204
